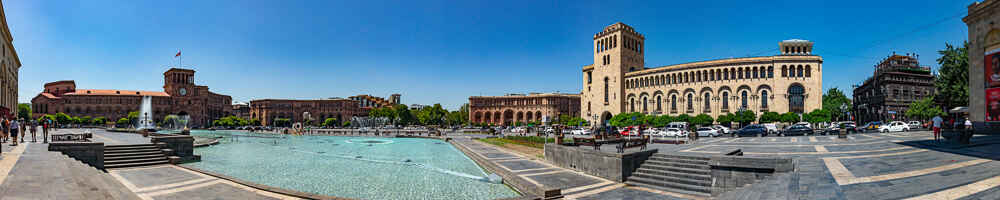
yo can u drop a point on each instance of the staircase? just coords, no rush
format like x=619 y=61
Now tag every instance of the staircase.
x=133 y=155
x=674 y=173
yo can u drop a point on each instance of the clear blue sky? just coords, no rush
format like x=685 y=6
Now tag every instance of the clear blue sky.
x=441 y=51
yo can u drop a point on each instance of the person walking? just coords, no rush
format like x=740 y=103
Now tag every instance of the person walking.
x=937 y=121
x=23 y=131
x=3 y=130
x=34 y=129
x=45 y=130
x=14 y=126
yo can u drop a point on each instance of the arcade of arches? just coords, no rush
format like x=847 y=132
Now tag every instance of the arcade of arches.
x=509 y=109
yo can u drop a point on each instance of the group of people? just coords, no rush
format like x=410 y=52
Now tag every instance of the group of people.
x=12 y=129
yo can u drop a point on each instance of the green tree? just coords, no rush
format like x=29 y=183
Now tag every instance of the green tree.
x=662 y=120
x=769 y=117
x=702 y=120
x=254 y=122
x=647 y=120
x=819 y=116
x=346 y=123
x=726 y=119
x=24 y=111
x=745 y=117
x=63 y=118
x=403 y=115
x=790 y=117
x=952 y=81
x=100 y=120
x=122 y=122
x=330 y=122
x=833 y=100
x=924 y=109
x=282 y=122
x=86 y=120
x=683 y=118
x=577 y=121
x=49 y=117
x=75 y=120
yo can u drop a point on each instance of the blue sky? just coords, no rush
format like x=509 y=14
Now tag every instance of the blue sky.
x=441 y=51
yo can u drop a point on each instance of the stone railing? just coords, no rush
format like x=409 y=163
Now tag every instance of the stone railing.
x=611 y=166
x=732 y=170
x=179 y=145
x=77 y=137
x=91 y=153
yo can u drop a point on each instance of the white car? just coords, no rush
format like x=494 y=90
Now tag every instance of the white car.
x=580 y=131
x=550 y=130
x=517 y=130
x=804 y=124
x=674 y=132
x=771 y=128
x=708 y=132
x=724 y=129
x=896 y=126
x=914 y=125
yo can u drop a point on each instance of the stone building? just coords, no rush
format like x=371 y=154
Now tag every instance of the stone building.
x=898 y=81
x=618 y=81
x=983 y=22
x=267 y=110
x=180 y=96
x=241 y=110
x=368 y=101
x=10 y=64
x=511 y=108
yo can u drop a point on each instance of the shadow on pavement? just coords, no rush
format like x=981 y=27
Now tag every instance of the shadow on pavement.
x=980 y=146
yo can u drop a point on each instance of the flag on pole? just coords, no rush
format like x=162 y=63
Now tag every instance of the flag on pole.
x=178 y=54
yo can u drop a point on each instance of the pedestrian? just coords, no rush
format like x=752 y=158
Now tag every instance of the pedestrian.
x=937 y=121
x=33 y=128
x=45 y=130
x=3 y=128
x=14 y=126
x=6 y=129
x=24 y=125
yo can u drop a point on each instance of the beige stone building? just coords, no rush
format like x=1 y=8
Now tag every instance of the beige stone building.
x=618 y=82
x=984 y=40
x=512 y=108
x=10 y=64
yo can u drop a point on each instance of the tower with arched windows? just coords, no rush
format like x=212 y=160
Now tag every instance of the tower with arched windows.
x=618 y=49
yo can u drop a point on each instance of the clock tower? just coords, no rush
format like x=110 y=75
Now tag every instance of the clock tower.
x=178 y=82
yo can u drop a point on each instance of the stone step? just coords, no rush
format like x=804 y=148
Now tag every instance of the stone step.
x=136 y=164
x=133 y=157
x=130 y=150
x=671 y=187
x=706 y=172
x=660 y=155
x=704 y=177
x=129 y=147
x=137 y=160
x=679 y=160
x=676 y=164
x=108 y=155
x=680 y=180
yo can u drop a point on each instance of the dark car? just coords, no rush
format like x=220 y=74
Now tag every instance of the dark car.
x=849 y=126
x=797 y=130
x=751 y=130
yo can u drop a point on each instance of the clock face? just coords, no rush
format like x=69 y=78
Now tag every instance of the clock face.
x=183 y=91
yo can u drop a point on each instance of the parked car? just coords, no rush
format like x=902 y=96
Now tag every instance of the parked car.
x=723 y=129
x=914 y=125
x=708 y=132
x=871 y=126
x=674 y=132
x=751 y=130
x=797 y=130
x=896 y=126
x=550 y=130
x=771 y=128
x=630 y=130
x=835 y=128
x=804 y=124
x=580 y=131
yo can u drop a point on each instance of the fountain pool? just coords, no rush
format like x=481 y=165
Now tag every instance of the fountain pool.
x=351 y=167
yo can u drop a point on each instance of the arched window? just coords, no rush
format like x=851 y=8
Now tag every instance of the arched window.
x=706 y=100
x=697 y=76
x=743 y=98
x=690 y=101
x=739 y=72
x=796 y=98
x=747 y=71
x=763 y=99
x=658 y=104
x=673 y=103
x=631 y=104
x=755 y=72
x=808 y=70
x=725 y=74
x=606 y=90
x=725 y=101
x=770 y=71
x=799 y=71
x=644 y=107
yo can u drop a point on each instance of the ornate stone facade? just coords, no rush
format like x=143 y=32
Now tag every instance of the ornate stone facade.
x=508 y=109
x=984 y=36
x=369 y=101
x=897 y=81
x=267 y=110
x=181 y=97
x=618 y=82
x=10 y=64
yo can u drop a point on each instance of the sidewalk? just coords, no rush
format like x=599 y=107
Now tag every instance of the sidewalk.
x=30 y=171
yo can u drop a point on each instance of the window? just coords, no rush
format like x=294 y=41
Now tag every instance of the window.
x=743 y=97
x=770 y=71
x=589 y=76
x=706 y=100
x=605 y=90
x=808 y=70
x=763 y=99
x=799 y=71
x=631 y=105
x=673 y=103
x=796 y=98
x=740 y=73
x=644 y=102
x=784 y=72
x=747 y=71
x=690 y=101
x=755 y=72
x=658 y=102
x=725 y=101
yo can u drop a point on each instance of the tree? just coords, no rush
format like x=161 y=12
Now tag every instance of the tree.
x=833 y=100
x=702 y=120
x=24 y=111
x=726 y=119
x=49 y=117
x=86 y=120
x=819 y=116
x=75 y=120
x=577 y=121
x=431 y=115
x=100 y=120
x=769 y=117
x=347 y=123
x=330 y=122
x=123 y=122
x=924 y=109
x=952 y=81
x=662 y=120
x=63 y=118
x=683 y=118
x=790 y=117
x=282 y=122
x=745 y=117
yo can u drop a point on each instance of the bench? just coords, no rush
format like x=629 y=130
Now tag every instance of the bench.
x=626 y=144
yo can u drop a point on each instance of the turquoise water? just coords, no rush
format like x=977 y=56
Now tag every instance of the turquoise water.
x=352 y=167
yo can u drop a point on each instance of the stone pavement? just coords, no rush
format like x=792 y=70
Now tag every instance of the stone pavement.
x=906 y=165
x=30 y=171
x=173 y=182
x=574 y=184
